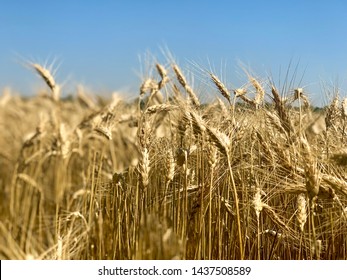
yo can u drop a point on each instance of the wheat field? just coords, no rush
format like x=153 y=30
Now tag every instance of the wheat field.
x=255 y=174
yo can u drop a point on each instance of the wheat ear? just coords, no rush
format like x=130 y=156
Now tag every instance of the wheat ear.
x=221 y=87
x=182 y=80
x=46 y=75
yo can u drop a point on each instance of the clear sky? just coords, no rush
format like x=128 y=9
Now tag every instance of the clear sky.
x=98 y=43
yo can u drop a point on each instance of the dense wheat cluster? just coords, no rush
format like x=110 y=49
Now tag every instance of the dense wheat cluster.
x=257 y=174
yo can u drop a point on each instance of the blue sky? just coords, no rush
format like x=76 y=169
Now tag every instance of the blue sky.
x=98 y=43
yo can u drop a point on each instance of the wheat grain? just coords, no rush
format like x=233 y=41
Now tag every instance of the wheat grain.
x=301 y=212
x=144 y=166
x=170 y=166
x=257 y=203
